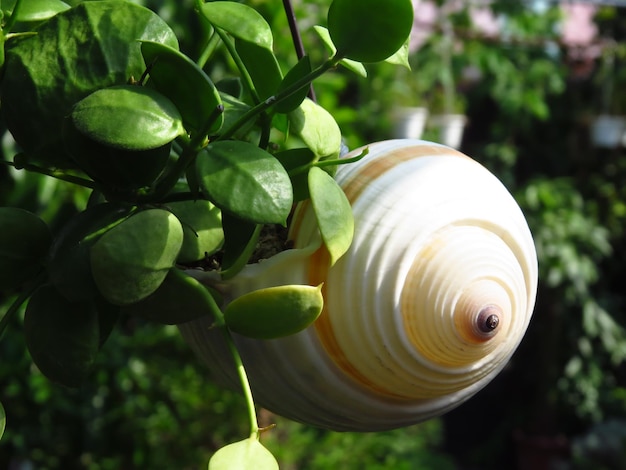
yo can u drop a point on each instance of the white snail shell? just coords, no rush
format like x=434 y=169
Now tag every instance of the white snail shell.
x=427 y=306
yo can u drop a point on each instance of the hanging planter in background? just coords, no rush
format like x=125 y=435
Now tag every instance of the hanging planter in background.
x=409 y=122
x=607 y=131
x=451 y=128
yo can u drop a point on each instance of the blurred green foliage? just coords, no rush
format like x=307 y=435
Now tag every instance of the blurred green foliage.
x=151 y=404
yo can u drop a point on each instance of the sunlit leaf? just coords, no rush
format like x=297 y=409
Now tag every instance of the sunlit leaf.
x=128 y=117
x=274 y=312
x=75 y=53
x=240 y=20
x=245 y=180
x=248 y=454
x=332 y=211
x=130 y=261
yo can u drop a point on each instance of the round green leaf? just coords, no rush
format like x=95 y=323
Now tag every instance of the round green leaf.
x=240 y=20
x=179 y=299
x=69 y=266
x=39 y=10
x=130 y=261
x=62 y=336
x=356 y=67
x=182 y=81
x=317 y=128
x=262 y=65
x=332 y=211
x=248 y=454
x=75 y=53
x=202 y=229
x=128 y=117
x=24 y=242
x=274 y=312
x=245 y=180
x=369 y=30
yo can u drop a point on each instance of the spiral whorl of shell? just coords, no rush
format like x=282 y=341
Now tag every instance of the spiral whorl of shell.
x=429 y=303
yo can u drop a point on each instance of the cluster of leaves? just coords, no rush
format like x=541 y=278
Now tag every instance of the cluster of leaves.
x=181 y=170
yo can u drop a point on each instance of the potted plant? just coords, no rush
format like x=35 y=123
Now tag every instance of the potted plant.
x=609 y=126
x=182 y=172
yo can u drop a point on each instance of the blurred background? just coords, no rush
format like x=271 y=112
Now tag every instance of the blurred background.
x=534 y=90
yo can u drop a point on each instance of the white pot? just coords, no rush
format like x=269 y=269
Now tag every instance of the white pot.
x=409 y=122
x=451 y=127
x=607 y=131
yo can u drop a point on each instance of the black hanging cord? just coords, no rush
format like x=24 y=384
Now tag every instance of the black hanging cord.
x=297 y=39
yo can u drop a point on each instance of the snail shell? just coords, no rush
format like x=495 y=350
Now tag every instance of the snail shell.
x=426 y=307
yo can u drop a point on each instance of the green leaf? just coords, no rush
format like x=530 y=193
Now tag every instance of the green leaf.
x=130 y=261
x=62 y=336
x=262 y=66
x=24 y=242
x=274 y=312
x=118 y=169
x=299 y=159
x=369 y=30
x=352 y=65
x=75 y=53
x=39 y=10
x=317 y=128
x=128 y=117
x=240 y=239
x=69 y=267
x=401 y=56
x=248 y=454
x=179 y=299
x=333 y=213
x=185 y=84
x=245 y=180
x=299 y=71
x=202 y=229
x=3 y=420
x=240 y=20
x=233 y=110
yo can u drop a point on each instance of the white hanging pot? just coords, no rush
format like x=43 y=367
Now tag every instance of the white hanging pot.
x=607 y=131
x=426 y=307
x=451 y=128
x=409 y=122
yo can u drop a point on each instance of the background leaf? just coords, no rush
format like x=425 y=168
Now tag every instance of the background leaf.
x=62 y=336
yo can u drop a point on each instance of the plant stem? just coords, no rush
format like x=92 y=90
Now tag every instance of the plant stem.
x=208 y=49
x=24 y=295
x=58 y=174
x=296 y=38
x=283 y=94
x=241 y=370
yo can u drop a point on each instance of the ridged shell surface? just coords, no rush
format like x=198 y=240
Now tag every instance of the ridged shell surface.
x=427 y=306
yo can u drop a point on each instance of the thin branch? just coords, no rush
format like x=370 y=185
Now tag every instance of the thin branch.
x=296 y=38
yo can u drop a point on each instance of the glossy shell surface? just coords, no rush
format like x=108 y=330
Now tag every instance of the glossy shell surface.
x=427 y=306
